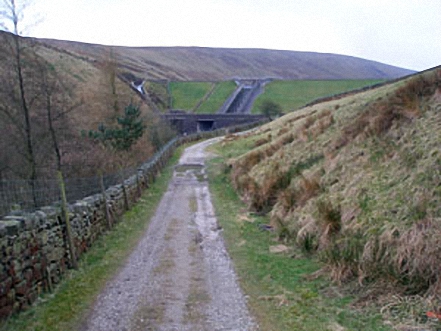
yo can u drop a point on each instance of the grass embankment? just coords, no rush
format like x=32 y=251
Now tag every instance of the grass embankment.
x=292 y=95
x=68 y=305
x=199 y=97
x=356 y=183
x=282 y=295
x=220 y=94
x=186 y=95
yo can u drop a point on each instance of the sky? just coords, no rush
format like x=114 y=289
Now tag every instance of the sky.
x=404 y=33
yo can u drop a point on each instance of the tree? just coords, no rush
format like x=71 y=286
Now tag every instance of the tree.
x=56 y=104
x=110 y=71
x=130 y=128
x=270 y=109
x=34 y=102
x=11 y=15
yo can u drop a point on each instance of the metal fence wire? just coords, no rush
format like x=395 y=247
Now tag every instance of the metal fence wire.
x=26 y=195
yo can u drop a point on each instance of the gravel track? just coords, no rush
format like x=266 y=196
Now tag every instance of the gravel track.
x=180 y=276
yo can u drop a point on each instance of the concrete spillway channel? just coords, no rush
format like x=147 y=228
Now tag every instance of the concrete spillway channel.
x=242 y=99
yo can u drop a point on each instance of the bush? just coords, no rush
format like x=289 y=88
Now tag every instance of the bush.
x=270 y=109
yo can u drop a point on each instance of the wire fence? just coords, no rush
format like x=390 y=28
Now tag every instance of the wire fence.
x=26 y=195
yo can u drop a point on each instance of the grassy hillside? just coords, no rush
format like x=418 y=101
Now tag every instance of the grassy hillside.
x=219 y=64
x=280 y=291
x=186 y=95
x=221 y=92
x=198 y=97
x=291 y=95
x=356 y=182
x=80 y=94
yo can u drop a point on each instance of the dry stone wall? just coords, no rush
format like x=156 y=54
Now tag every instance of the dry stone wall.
x=34 y=250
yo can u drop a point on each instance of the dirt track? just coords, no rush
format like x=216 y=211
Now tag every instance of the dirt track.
x=180 y=276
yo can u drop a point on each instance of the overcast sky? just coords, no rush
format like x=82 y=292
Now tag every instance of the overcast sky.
x=404 y=33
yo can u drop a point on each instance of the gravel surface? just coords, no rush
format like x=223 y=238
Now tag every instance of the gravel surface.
x=180 y=276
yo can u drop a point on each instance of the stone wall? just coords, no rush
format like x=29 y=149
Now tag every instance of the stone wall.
x=34 y=251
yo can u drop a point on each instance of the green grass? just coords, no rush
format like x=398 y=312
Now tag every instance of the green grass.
x=67 y=307
x=186 y=95
x=220 y=94
x=281 y=296
x=292 y=95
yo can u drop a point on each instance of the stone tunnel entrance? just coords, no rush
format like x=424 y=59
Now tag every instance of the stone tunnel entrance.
x=192 y=123
x=205 y=125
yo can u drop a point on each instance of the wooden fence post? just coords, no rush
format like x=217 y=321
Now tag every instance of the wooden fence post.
x=126 y=200
x=65 y=212
x=138 y=184
x=106 y=208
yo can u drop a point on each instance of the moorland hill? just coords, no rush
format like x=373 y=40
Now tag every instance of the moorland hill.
x=217 y=64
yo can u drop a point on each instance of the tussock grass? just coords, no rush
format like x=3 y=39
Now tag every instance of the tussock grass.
x=367 y=198
x=283 y=290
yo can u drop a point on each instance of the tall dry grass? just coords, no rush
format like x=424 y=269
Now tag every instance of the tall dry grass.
x=405 y=104
x=362 y=213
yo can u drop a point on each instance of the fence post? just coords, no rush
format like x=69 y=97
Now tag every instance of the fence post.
x=138 y=184
x=126 y=200
x=106 y=208
x=65 y=212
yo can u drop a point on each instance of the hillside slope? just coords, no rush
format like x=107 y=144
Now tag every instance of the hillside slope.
x=215 y=64
x=79 y=94
x=357 y=181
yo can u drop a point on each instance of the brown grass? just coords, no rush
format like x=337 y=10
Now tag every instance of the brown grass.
x=405 y=104
x=306 y=188
x=329 y=218
x=371 y=209
x=262 y=141
x=418 y=256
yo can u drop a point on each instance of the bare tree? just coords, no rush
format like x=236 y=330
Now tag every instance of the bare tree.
x=35 y=101
x=57 y=102
x=12 y=14
x=110 y=70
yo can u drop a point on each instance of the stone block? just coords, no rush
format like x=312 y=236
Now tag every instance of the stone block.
x=15 y=267
x=28 y=275
x=29 y=223
x=3 y=242
x=3 y=230
x=44 y=238
x=5 y=286
x=22 y=289
x=56 y=254
x=6 y=311
x=6 y=300
x=3 y=271
x=38 y=273
x=12 y=227
x=32 y=297
x=17 y=248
